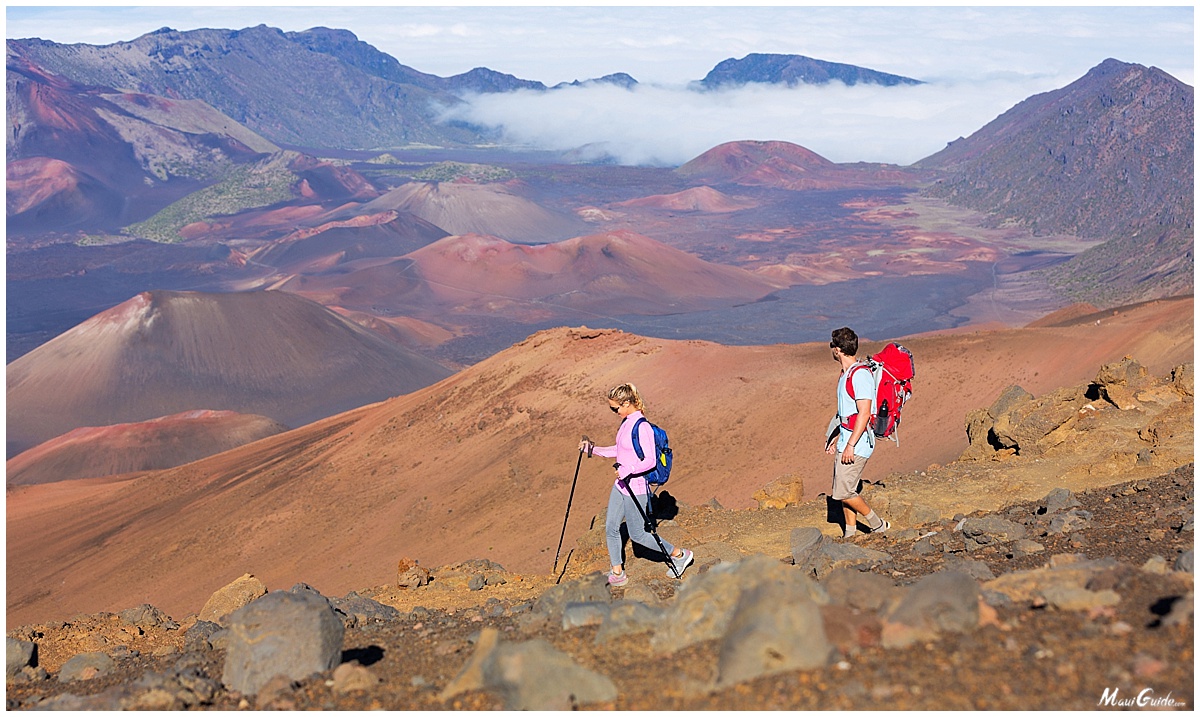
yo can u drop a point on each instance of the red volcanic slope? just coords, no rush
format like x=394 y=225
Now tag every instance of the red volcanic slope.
x=615 y=272
x=477 y=209
x=696 y=199
x=320 y=248
x=619 y=272
x=163 y=352
x=787 y=166
x=46 y=193
x=160 y=443
x=747 y=162
x=473 y=466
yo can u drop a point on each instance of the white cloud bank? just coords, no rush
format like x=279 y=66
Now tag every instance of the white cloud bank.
x=654 y=125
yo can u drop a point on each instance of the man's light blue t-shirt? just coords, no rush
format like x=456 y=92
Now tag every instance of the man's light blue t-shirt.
x=864 y=387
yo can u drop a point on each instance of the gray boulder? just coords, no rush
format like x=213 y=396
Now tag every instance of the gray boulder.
x=589 y=588
x=1070 y=521
x=943 y=602
x=629 y=618
x=364 y=610
x=990 y=530
x=530 y=675
x=282 y=633
x=705 y=604
x=1059 y=499
x=86 y=666
x=1186 y=562
x=776 y=627
x=859 y=590
x=832 y=555
x=147 y=616
x=21 y=654
x=805 y=544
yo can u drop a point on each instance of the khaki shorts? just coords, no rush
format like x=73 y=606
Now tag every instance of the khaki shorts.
x=847 y=477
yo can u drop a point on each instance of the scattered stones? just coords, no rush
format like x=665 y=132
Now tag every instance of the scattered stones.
x=86 y=666
x=20 y=654
x=289 y=634
x=530 y=675
x=775 y=627
x=230 y=598
x=946 y=601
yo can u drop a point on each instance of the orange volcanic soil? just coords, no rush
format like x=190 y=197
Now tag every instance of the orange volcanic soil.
x=162 y=352
x=96 y=451
x=480 y=464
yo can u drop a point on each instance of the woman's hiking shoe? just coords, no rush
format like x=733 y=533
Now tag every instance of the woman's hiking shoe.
x=617 y=580
x=681 y=563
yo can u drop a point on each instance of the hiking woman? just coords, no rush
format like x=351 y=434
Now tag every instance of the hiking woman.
x=625 y=401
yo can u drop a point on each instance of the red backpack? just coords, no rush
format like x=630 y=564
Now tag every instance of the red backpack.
x=892 y=370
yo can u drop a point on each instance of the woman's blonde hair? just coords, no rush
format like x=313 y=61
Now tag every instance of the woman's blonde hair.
x=627 y=393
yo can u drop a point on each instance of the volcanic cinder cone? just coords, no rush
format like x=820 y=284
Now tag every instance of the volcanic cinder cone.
x=267 y=353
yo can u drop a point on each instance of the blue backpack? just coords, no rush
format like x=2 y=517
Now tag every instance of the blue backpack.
x=661 y=471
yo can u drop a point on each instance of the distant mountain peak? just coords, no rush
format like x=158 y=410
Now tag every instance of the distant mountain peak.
x=792 y=70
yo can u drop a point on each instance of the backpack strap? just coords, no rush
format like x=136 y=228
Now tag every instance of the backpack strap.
x=637 y=446
x=850 y=375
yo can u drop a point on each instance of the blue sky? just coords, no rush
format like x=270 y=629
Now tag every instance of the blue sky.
x=978 y=61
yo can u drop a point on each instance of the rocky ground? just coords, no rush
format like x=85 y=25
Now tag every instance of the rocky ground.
x=1062 y=596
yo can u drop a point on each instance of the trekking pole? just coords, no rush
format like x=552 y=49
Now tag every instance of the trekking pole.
x=650 y=527
x=568 y=515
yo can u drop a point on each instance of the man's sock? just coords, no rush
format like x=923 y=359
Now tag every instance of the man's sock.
x=873 y=521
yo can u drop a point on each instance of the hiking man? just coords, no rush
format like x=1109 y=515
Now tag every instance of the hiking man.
x=854 y=442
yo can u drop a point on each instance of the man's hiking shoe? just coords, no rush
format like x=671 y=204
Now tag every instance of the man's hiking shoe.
x=616 y=581
x=882 y=529
x=681 y=563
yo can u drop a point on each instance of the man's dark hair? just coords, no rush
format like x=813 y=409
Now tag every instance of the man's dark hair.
x=846 y=340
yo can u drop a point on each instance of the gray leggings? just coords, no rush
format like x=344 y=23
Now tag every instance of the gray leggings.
x=621 y=508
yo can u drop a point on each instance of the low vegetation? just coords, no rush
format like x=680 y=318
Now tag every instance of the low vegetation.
x=246 y=187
